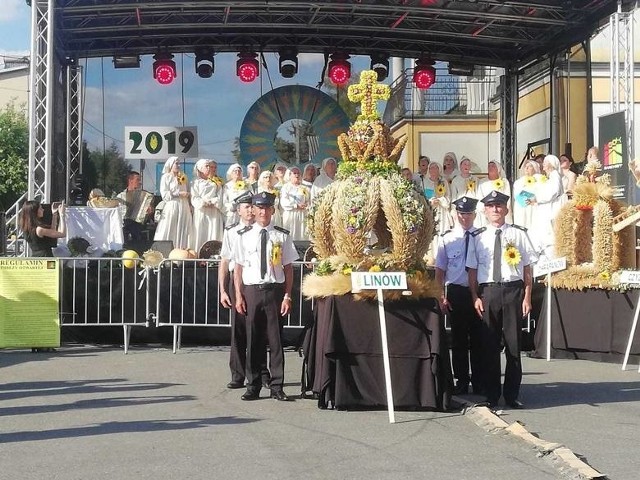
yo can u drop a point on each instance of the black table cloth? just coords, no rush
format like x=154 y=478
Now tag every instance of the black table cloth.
x=343 y=354
x=592 y=325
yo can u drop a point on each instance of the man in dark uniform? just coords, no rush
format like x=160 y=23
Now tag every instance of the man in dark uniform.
x=263 y=278
x=500 y=278
x=455 y=299
x=238 y=353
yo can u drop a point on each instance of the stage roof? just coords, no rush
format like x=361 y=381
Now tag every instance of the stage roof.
x=506 y=33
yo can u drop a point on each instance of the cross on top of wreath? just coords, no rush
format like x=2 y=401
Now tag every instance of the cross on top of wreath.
x=368 y=92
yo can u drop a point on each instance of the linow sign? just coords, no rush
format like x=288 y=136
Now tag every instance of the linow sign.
x=378 y=280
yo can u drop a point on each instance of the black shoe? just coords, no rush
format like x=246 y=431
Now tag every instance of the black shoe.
x=461 y=389
x=250 y=395
x=234 y=384
x=516 y=404
x=280 y=396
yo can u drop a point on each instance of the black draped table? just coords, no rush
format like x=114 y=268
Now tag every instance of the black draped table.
x=343 y=354
x=591 y=325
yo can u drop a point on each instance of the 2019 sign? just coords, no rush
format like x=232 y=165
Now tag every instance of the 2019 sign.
x=160 y=142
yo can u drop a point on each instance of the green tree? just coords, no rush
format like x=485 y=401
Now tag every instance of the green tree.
x=106 y=171
x=14 y=152
x=339 y=94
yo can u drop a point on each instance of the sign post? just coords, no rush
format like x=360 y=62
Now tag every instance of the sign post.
x=547 y=267
x=632 y=278
x=381 y=281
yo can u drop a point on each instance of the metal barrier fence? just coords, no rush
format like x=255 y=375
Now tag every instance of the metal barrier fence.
x=179 y=293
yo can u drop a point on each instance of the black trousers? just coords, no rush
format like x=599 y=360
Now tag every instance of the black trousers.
x=465 y=337
x=263 y=326
x=238 y=351
x=501 y=321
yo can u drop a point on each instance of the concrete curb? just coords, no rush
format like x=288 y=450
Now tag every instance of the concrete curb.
x=567 y=461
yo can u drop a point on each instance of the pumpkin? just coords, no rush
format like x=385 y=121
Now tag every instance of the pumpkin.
x=131 y=256
x=179 y=254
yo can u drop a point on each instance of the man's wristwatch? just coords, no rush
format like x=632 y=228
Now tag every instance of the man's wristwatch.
x=287 y=297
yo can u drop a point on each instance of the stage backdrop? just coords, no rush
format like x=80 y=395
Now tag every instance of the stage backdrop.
x=613 y=155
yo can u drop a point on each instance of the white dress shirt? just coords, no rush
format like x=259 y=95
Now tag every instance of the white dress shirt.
x=480 y=255
x=229 y=240
x=247 y=254
x=451 y=256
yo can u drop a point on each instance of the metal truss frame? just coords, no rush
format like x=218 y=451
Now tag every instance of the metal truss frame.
x=508 y=123
x=74 y=75
x=42 y=100
x=509 y=34
x=622 y=70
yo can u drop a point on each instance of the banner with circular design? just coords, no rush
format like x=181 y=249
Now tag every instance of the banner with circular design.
x=269 y=112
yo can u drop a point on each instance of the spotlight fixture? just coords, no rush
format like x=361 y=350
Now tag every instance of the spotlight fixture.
x=126 y=61
x=424 y=75
x=164 y=68
x=461 y=69
x=339 y=69
x=205 y=65
x=247 y=66
x=380 y=64
x=288 y=61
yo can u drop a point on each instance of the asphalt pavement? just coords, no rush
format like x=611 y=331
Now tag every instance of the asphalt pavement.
x=92 y=412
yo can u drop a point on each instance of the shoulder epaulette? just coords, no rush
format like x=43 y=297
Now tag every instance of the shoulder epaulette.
x=233 y=225
x=280 y=229
x=244 y=230
x=444 y=233
x=519 y=227
x=478 y=231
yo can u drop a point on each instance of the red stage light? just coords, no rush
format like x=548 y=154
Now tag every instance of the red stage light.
x=164 y=68
x=247 y=67
x=339 y=69
x=424 y=75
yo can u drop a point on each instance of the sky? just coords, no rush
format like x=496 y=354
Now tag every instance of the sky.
x=131 y=97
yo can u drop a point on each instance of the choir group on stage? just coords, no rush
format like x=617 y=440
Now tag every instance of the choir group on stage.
x=196 y=212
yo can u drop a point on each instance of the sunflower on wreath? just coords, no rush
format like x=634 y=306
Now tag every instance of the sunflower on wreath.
x=529 y=180
x=498 y=183
x=240 y=185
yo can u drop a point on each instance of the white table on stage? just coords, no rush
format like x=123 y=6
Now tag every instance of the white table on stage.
x=102 y=227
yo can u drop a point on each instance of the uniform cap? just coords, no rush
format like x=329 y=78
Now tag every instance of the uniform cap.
x=466 y=204
x=495 y=197
x=244 y=198
x=264 y=199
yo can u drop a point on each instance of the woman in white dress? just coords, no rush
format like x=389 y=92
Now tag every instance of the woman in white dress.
x=266 y=183
x=327 y=175
x=449 y=166
x=176 y=222
x=568 y=177
x=294 y=198
x=495 y=180
x=279 y=171
x=436 y=190
x=465 y=184
x=234 y=187
x=206 y=198
x=549 y=199
x=523 y=211
x=253 y=173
